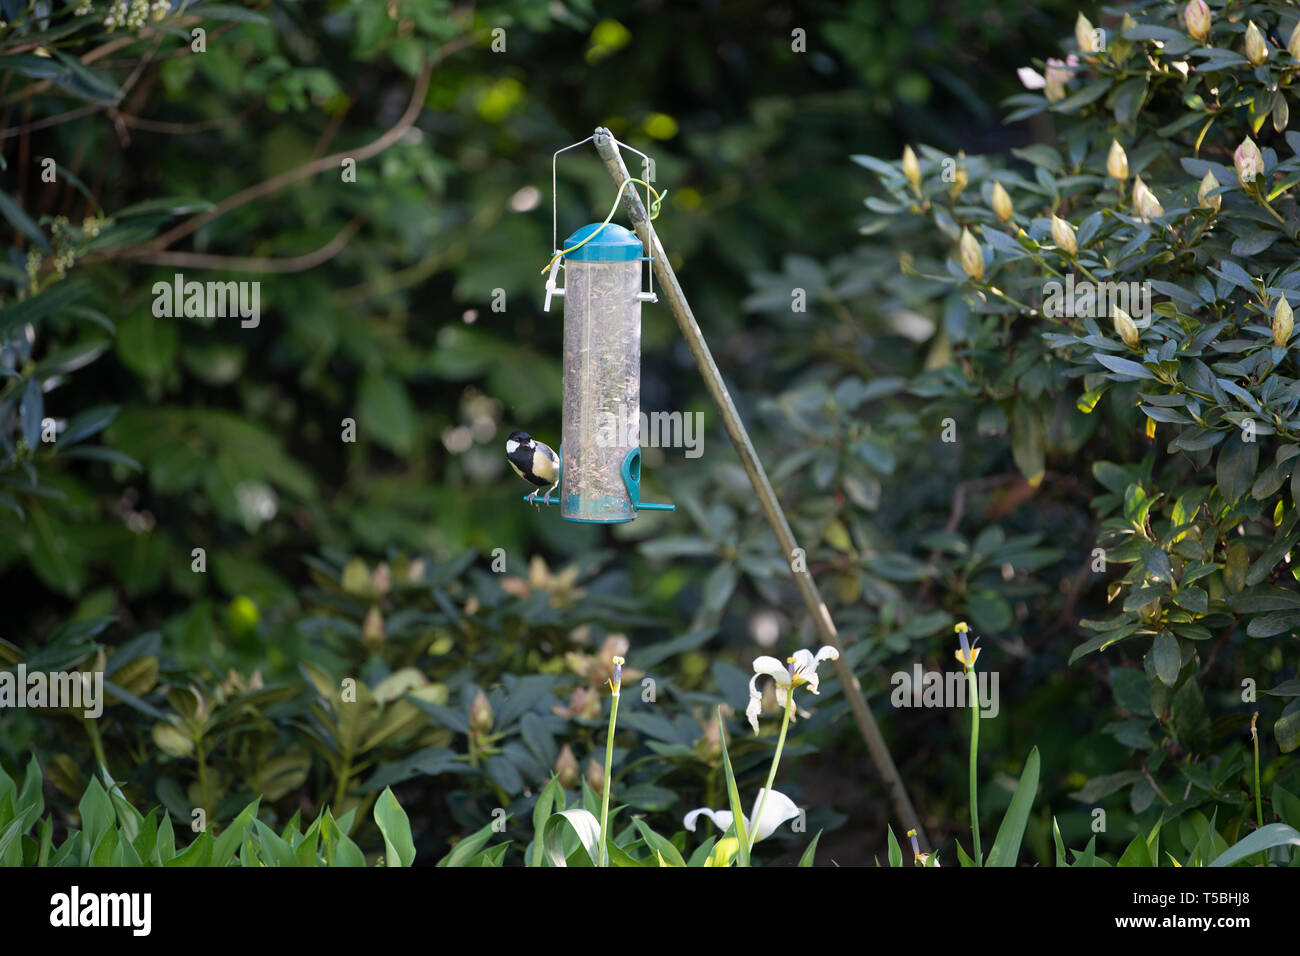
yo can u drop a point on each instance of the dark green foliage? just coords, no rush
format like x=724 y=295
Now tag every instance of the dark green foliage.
x=340 y=463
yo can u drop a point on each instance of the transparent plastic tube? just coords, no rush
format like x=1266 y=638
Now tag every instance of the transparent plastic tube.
x=602 y=388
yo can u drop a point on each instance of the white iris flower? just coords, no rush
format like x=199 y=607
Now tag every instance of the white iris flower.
x=798 y=670
x=777 y=809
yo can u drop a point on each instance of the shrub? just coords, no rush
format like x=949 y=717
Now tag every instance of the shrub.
x=1173 y=169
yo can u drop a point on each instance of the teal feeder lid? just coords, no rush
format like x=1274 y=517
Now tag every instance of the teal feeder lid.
x=613 y=243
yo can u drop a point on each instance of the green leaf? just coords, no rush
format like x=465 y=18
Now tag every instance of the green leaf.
x=1027 y=441
x=1060 y=844
x=1136 y=853
x=1098 y=787
x=667 y=853
x=1193 y=599
x=344 y=851
x=223 y=851
x=32 y=411
x=1275 y=552
x=1197 y=832
x=1167 y=657
x=1276 y=622
x=223 y=11
x=109 y=456
x=811 y=852
x=700 y=857
x=546 y=800
x=171 y=205
x=895 y=851
x=399 y=849
x=53 y=555
x=581 y=823
x=1130 y=689
x=19 y=219
x=1286 y=731
x=11 y=842
x=87 y=423
x=128 y=817
x=147 y=344
x=1265 y=838
x=1190 y=720
x=1090 y=93
x=30 y=802
x=1286 y=805
x=106 y=852
x=1236 y=467
x=622 y=858
x=468 y=848
x=1157 y=562
x=1103 y=640
x=61 y=361
x=1088 y=858
x=1125 y=368
x=733 y=796
x=82 y=81
x=97 y=814
x=1042 y=155
x=198 y=853
x=42 y=305
x=45 y=835
x=1006 y=846
x=385 y=413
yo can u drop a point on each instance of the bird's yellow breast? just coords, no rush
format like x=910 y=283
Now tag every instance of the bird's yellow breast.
x=544 y=465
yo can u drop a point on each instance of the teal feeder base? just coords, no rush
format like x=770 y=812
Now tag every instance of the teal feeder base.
x=631 y=481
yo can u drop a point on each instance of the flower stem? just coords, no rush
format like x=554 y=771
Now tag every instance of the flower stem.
x=771 y=773
x=341 y=786
x=974 y=754
x=1023 y=306
x=609 y=773
x=1259 y=808
x=1082 y=268
x=1259 y=194
x=97 y=742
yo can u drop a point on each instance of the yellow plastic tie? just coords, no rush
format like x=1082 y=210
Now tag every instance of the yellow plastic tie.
x=654 y=214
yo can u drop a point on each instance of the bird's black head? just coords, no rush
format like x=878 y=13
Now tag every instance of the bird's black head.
x=523 y=438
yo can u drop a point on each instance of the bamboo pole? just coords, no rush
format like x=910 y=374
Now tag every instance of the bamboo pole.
x=671 y=290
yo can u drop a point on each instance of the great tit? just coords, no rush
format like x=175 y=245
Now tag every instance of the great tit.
x=533 y=461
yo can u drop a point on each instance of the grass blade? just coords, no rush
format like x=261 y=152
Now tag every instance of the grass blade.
x=1007 y=845
x=733 y=797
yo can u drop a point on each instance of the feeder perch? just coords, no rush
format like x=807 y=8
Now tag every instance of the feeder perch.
x=600 y=453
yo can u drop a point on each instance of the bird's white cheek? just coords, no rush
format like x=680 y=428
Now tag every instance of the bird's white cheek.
x=511 y=446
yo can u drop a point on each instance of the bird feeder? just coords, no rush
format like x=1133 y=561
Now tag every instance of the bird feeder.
x=600 y=453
